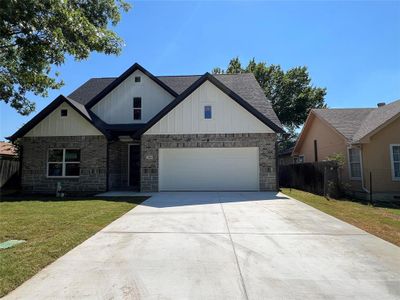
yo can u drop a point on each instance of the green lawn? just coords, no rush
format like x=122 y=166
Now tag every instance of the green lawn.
x=382 y=222
x=51 y=228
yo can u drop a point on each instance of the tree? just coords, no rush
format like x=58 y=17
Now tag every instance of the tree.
x=291 y=93
x=36 y=35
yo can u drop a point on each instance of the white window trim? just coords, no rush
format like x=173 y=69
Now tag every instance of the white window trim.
x=303 y=157
x=349 y=164
x=394 y=178
x=63 y=163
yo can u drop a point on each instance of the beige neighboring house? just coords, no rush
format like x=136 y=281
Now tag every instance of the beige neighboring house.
x=369 y=139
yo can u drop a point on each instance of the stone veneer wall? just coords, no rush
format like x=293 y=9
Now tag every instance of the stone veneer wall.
x=151 y=143
x=118 y=165
x=93 y=169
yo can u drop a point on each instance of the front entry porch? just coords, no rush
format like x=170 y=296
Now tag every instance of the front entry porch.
x=124 y=166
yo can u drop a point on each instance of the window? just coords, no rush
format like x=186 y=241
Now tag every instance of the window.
x=137 y=108
x=298 y=159
x=355 y=163
x=207 y=112
x=64 y=112
x=138 y=79
x=63 y=162
x=395 y=159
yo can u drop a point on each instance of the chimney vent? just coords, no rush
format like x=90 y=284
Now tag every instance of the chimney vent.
x=380 y=104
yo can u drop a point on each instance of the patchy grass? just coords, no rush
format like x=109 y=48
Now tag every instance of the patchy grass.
x=379 y=221
x=51 y=228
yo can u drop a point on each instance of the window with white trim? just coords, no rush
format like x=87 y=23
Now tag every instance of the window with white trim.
x=137 y=108
x=395 y=160
x=355 y=163
x=63 y=162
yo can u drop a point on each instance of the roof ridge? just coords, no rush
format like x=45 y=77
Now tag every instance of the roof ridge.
x=344 y=108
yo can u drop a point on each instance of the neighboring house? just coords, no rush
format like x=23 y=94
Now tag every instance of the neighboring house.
x=9 y=164
x=153 y=133
x=7 y=150
x=285 y=157
x=369 y=140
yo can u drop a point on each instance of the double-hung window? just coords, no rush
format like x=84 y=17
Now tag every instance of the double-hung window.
x=137 y=108
x=63 y=162
x=355 y=163
x=395 y=161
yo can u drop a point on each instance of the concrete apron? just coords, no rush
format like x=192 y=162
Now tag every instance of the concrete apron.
x=223 y=246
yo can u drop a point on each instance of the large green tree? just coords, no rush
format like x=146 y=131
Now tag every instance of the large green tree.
x=36 y=35
x=291 y=93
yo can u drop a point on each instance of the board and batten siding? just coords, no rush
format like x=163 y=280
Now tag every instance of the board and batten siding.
x=71 y=125
x=227 y=115
x=117 y=106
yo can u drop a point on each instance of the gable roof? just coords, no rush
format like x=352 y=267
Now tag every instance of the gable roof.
x=78 y=107
x=245 y=85
x=7 y=149
x=243 y=88
x=354 y=124
x=345 y=121
x=207 y=76
x=121 y=78
x=376 y=119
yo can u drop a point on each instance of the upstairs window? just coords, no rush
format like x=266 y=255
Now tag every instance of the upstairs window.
x=207 y=112
x=64 y=113
x=138 y=79
x=395 y=159
x=137 y=108
x=355 y=163
x=63 y=162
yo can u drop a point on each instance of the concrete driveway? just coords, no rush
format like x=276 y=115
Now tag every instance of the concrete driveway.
x=223 y=246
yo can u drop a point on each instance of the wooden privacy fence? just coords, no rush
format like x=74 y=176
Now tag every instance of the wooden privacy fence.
x=320 y=178
x=9 y=170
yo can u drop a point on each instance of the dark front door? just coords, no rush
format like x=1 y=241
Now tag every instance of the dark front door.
x=134 y=166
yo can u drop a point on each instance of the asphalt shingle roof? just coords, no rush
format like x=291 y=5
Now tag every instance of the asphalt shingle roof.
x=376 y=118
x=356 y=123
x=89 y=89
x=245 y=85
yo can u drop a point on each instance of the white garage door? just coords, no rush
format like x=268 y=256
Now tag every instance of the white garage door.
x=208 y=169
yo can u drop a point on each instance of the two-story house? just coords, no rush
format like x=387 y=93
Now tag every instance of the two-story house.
x=153 y=133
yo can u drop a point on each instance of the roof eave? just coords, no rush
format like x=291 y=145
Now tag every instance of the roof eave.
x=45 y=112
x=124 y=76
x=223 y=88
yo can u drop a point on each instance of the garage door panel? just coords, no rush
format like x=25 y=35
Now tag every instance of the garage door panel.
x=194 y=169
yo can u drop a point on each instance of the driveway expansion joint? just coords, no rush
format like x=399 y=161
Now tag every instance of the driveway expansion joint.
x=234 y=250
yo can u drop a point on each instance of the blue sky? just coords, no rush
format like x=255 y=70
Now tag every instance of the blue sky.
x=351 y=48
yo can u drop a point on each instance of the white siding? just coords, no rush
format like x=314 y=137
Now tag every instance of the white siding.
x=117 y=106
x=227 y=115
x=55 y=125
